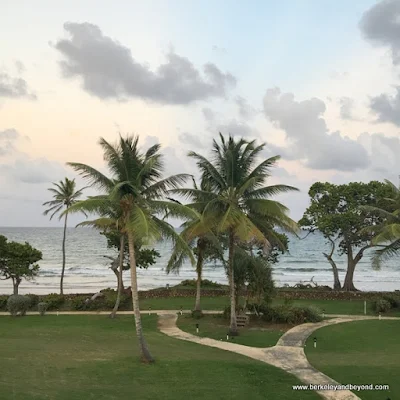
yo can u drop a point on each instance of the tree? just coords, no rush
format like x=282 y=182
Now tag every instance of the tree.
x=205 y=244
x=18 y=261
x=64 y=195
x=336 y=211
x=386 y=234
x=237 y=203
x=137 y=187
x=145 y=257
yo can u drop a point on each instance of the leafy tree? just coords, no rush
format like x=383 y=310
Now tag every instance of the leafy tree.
x=145 y=257
x=18 y=261
x=64 y=195
x=136 y=185
x=336 y=211
x=237 y=202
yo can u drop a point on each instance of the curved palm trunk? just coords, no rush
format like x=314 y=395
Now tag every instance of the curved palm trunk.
x=233 y=330
x=120 y=270
x=199 y=270
x=63 y=254
x=145 y=353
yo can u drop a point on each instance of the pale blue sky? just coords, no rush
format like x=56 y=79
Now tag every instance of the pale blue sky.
x=310 y=49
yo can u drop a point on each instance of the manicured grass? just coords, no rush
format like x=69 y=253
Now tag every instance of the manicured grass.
x=362 y=352
x=256 y=334
x=92 y=357
x=187 y=303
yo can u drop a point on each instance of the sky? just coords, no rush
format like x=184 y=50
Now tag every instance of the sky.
x=318 y=82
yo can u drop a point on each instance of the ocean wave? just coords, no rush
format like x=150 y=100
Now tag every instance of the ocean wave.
x=307 y=269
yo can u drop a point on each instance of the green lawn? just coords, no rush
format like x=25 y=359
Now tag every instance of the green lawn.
x=361 y=352
x=215 y=326
x=93 y=357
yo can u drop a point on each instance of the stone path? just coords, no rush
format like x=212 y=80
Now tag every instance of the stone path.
x=288 y=354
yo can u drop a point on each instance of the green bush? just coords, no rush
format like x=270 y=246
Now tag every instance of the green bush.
x=34 y=300
x=381 y=306
x=283 y=314
x=78 y=303
x=393 y=300
x=197 y=314
x=192 y=283
x=42 y=307
x=3 y=303
x=54 y=301
x=18 y=304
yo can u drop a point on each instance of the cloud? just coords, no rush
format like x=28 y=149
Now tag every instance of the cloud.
x=346 y=108
x=109 y=71
x=33 y=171
x=246 y=111
x=193 y=141
x=380 y=25
x=7 y=141
x=20 y=67
x=14 y=87
x=307 y=134
x=387 y=108
x=337 y=75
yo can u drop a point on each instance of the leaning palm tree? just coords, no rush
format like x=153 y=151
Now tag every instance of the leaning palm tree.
x=64 y=196
x=238 y=203
x=205 y=244
x=137 y=186
x=387 y=231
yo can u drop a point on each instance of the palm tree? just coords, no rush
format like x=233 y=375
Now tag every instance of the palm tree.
x=137 y=186
x=237 y=203
x=388 y=230
x=205 y=244
x=64 y=195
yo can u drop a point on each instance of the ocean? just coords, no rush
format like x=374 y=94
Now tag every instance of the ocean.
x=87 y=270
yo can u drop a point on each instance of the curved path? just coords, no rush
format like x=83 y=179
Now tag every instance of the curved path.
x=288 y=354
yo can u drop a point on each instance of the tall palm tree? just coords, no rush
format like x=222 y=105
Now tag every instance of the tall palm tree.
x=387 y=233
x=137 y=186
x=237 y=203
x=204 y=243
x=64 y=196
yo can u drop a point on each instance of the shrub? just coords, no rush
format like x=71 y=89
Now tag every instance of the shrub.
x=18 y=304
x=204 y=283
x=3 y=303
x=54 y=301
x=197 y=314
x=393 y=300
x=283 y=314
x=381 y=306
x=78 y=303
x=34 y=300
x=42 y=307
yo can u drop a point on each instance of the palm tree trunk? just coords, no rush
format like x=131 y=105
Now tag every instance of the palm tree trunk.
x=63 y=254
x=121 y=265
x=233 y=330
x=199 y=269
x=145 y=353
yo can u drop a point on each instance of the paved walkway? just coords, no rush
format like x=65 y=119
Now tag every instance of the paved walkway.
x=288 y=354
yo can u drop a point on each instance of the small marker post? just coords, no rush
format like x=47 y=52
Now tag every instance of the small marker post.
x=197 y=328
x=365 y=307
x=380 y=316
x=315 y=342
x=323 y=313
x=57 y=313
x=149 y=310
x=227 y=336
x=181 y=311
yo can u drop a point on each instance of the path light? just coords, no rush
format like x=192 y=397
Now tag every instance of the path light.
x=365 y=307
x=149 y=310
x=181 y=311
x=380 y=316
x=323 y=313
x=197 y=328
x=57 y=313
x=167 y=285
x=227 y=336
x=315 y=342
